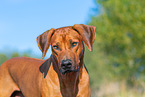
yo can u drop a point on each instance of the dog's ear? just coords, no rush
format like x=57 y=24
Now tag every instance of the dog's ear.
x=43 y=41
x=88 y=34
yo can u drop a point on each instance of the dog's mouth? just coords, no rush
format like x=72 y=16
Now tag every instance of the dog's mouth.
x=62 y=71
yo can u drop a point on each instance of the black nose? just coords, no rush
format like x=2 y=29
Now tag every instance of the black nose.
x=66 y=64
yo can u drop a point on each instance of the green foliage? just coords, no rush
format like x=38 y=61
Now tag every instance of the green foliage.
x=15 y=54
x=3 y=58
x=120 y=39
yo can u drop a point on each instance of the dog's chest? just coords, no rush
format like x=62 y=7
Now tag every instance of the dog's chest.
x=50 y=90
x=50 y=84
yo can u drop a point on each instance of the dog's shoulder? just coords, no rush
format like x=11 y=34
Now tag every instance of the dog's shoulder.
x=22 y=62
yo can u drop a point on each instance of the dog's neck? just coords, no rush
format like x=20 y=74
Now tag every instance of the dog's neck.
x=69 y=84
x=69 y=81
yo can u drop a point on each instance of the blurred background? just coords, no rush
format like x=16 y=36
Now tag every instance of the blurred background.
x=117 y=64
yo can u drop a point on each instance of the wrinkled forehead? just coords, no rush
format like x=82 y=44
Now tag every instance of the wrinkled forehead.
x=64 y=34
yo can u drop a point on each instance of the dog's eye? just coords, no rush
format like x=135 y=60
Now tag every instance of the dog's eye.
x=74 y=44
x=56 y=47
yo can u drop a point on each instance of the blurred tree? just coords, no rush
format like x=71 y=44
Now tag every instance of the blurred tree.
x=26 y=55
x=121 y=37
x=15 y=54
x=3 y=58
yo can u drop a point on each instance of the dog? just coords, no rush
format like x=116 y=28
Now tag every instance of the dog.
x=62 y=75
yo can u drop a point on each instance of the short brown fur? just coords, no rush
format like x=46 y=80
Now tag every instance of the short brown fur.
x=30 y=77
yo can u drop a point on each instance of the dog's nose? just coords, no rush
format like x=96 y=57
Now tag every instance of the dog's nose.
x=66 y=64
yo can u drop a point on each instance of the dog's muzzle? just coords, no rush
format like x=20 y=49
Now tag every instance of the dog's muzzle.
x=66 y=67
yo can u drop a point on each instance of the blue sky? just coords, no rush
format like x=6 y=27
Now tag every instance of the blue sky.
x=21 y=21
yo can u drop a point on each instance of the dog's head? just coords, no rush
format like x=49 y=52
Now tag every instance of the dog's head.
x=67 y=45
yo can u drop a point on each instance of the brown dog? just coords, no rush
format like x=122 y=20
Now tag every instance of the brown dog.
x=62 y=75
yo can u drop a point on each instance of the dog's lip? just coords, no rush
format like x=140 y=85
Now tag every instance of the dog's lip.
x=68 y=70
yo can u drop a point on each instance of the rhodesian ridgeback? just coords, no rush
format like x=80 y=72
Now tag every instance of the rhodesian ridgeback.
x=62 y=75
